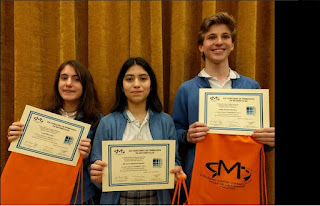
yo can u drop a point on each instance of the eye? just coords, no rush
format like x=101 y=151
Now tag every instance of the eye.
x=226 y=36
x=144 y=78
x=128 y=79
x=76 y=78
x=63 y=77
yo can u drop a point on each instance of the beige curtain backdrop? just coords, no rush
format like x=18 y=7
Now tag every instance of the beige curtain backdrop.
x=37 y=36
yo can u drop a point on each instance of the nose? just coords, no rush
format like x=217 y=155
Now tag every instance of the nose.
x=69 y=82
x=136 y=83
x=219 y=41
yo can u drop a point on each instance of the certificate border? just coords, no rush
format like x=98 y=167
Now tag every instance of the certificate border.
x=260 y=95
x=110 y=184
x=44 y=153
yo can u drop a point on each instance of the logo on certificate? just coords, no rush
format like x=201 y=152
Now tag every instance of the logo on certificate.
x=68 y=140
x=251 y=110
x=38 y=119
x=119 y=151
x=214 y=98
x=157 y=163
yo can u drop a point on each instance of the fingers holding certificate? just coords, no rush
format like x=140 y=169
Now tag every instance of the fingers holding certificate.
x=234 y=111
x=15 y=131
x=97 y=171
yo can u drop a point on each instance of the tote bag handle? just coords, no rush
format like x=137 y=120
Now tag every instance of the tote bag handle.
x=180 y=181
x=80 y=182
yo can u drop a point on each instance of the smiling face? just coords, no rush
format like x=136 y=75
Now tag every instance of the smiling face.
x=217 y=44
x=136 y=85
x=70 y=87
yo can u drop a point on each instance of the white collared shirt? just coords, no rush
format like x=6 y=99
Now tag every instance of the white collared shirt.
x=65 y=114
x=136 y=131
x=215 y=83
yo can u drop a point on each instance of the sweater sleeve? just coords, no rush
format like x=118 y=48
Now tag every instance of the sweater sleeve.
x=180 y=113
x=172 y=135
x=102 y=133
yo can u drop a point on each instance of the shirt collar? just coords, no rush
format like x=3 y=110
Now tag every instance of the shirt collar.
x=65 y=114
x=232 y=74
x=131 y=118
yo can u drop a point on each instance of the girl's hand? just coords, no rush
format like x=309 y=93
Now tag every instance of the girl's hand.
x=178 y=171
x=85 y=147
x=96 y=171
x=15 y=131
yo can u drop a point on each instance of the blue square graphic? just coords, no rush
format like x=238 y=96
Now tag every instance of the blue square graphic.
x=68 y=140
x=157 y=162
x=251 y=110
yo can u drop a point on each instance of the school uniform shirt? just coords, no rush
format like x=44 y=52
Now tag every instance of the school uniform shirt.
x=215 y=83
x=136 y=131
x=65 y=114
x=112 y=127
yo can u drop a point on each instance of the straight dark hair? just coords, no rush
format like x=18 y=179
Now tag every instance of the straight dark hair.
x=153 y=101
x=89 y=105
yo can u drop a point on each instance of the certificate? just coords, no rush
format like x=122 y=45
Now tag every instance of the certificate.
x=138 y=165
x=234 y=111
x=50 y=136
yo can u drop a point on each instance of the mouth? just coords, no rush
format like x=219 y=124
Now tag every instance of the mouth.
x=136 y=92
x=217 y=51
x=68 y=91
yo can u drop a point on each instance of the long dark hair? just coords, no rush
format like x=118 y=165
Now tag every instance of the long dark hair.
x=89 y=105
x=153 y=101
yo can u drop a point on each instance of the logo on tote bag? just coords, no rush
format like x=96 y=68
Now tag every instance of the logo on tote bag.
x=227 y=176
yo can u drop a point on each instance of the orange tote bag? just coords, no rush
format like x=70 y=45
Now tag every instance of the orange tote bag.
x=27 y=180
x=228 y=169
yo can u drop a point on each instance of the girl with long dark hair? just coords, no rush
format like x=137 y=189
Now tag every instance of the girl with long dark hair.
x=136 y=115
x=74 y=96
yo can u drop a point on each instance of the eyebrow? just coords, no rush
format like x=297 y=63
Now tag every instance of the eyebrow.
x=221 y=34
x=138 y=75
x=68 y=75
x=216 y=33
